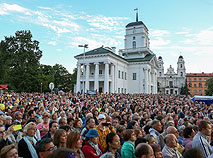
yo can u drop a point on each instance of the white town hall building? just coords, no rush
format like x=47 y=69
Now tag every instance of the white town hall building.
x=134 y=70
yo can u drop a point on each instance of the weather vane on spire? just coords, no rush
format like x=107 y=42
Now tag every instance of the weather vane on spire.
x=136 y=9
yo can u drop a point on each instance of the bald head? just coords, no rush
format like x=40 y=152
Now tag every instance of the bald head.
x=172 y=130
x=171 y=140
x=144 y=149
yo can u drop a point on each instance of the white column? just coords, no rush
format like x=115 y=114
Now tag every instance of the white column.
x=146 y=81
x=113 y=78
x=106 y=78
x=78 y=78
x=87 y=77
x=116 y=78
x=96 y=76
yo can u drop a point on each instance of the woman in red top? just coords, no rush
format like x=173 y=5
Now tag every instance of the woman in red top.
x=92 y=149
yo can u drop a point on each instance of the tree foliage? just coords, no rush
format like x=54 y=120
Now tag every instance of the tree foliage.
x=209 y=90
x=184 y=90
x=20 y=66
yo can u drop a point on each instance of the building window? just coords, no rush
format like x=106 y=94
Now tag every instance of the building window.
x=190 y=85
x=121 y=90
x=122 y=75
x=181 y=73
x=159 y=73
x=200 y=79
x=100 y=72
x=170 y=83
x=195 y=85
x=133 y=44
x=119 y=74
x=125 y=90
x=205 y=85
x=195 y=91
x=190 y=79
x=125 y=75
x=134 y=76
x=195 y=79
x=205 y=79
x=181 y=66
x=200 y=91
x=133 y=37
x=200 y=85
x=118 y=90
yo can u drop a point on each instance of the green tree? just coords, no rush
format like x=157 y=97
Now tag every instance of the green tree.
x=73 y=78
x=184 y=90
x=22 y=56
x=209 y=90
x=62 y=78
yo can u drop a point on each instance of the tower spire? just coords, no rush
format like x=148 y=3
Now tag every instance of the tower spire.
x=136 y=9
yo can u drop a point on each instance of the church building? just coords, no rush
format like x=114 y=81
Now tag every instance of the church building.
x=133 y=70
x=171 y=82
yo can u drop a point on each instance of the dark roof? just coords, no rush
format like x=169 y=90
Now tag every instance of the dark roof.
x=180 y=57
x=160 y=57
x=146 y=58
x=135 y=24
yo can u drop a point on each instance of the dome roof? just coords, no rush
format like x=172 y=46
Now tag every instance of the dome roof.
x=160 y=58
x=180 y=57
x=136 y=24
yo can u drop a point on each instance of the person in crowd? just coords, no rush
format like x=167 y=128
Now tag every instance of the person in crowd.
x=4 y=141
x=66 y=128
x=155 y=129
x=64 y=153
x=120 y=130
x=140 y=140
x=53 y=126
x=193 y=153
x=60 y=138
x=92 y=149
x=103 y=129
x=43 y=127
x=77 y=125
x=9 y=151
x=74 y=142
x=157 y=150
x=150 y=139
x=128 y=149
x=62 y=121
x=144 y=150
x=169 y=150
x=90 y=123
x=45 y=147
x=173 y=130
x=133 y=125
x=26 y=146
x=15 y=136
x=189 y=134
x=201 y=139
x=8 y=122
x=18 y=117
x=113 y=144
x=115 y=123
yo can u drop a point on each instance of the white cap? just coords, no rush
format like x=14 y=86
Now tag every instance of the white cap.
x=101 y=116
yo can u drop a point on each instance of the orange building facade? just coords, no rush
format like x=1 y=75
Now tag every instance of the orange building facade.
x=197 y=82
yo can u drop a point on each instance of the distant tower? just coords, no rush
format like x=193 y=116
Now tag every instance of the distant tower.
x=136 y=35
x=181 y=70
x=161 y=67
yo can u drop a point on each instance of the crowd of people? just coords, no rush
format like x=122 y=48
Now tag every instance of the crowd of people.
x=67 y=125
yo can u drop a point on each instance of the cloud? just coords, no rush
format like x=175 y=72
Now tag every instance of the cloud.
x=181 y=33
x=6 y=8
x=159 y=33
x=158 y=42
x=52 y=43
x=45 y=8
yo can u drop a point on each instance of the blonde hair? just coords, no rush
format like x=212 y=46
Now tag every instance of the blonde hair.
x=28 y=126
x=6 y=149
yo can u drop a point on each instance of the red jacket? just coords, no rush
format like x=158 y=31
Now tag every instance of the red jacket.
x=89 y=152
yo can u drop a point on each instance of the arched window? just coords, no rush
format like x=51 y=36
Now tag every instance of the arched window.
x=159 y=73
x=181 y=73
x=133 y=44
x=181 y=66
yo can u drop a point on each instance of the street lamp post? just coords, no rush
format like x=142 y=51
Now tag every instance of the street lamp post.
x=84 y=46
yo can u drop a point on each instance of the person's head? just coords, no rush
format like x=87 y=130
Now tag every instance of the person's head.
x=171 y=141
x=144 y=150
x=133 y=125
x=60 y=137
x=157 y=150
x=138 y=133
x=77 y=124
x=113 y=141
x=62 y=121
x=101 y=118
x=188 y=132
x=129 y=135
x=53 y=126
x=151 y=139
x=108 y=155
x=45 y=147
x=156 y=124
x=205 y=127
x=92 y=135
x=194 y=152
x=74 y=141
x=2 y=131
x=9 y=151
x=45 y=117
x=64 y=153
x=90 y=123
x=2 y=120
x=66 y=128
x=115 y=122
x=172 y=130
x=8 y=120
x=120 y=129
x=140 y=140
x=32 y=113
x=18 y=115
x=30 y=129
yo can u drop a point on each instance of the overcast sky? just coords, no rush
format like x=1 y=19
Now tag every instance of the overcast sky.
x=175 y=27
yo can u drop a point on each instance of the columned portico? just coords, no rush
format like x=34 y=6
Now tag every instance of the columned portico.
x=146 y=81
x=78 y=77
x=96 y=77
x=106 y=77
x=113 y=78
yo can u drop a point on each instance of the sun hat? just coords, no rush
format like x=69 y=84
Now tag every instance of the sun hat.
x=101 y=116
x=92 y=133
